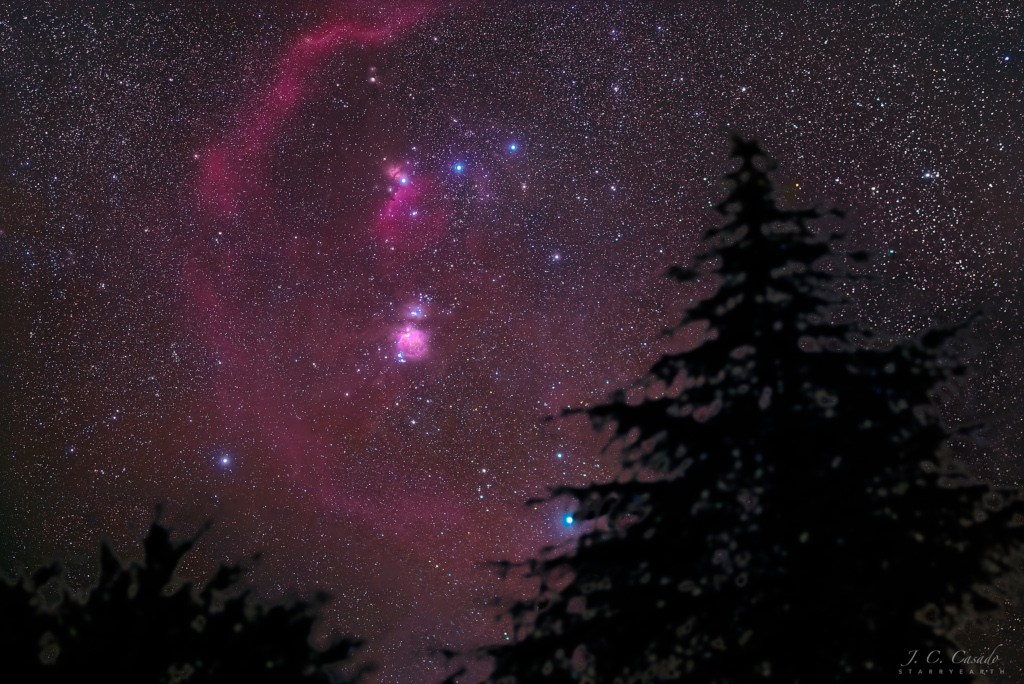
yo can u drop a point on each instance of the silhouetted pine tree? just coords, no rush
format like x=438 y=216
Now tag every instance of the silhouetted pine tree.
x=138 y=625
x=785 y=511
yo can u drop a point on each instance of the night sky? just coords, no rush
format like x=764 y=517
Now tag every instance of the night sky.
x=319 y=271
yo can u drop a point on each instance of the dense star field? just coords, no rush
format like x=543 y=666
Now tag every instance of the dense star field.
x=319 y=270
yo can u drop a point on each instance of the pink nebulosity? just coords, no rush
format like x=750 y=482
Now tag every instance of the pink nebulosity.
x=397 y=175
x=415 y=215
x=241 y=338
x=224 y=173
x=231 y=181
x=315 y=439
x=411 y=344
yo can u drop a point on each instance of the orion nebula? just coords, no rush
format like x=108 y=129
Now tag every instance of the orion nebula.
x=411 y=344
x=320 y=272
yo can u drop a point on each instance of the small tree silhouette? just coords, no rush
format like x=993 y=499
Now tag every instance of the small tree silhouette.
x=785 y=509
x=136 y=625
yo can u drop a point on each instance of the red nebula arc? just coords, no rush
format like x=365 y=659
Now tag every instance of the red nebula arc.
x=224 y=177
x=231 y=182
x=304 y=376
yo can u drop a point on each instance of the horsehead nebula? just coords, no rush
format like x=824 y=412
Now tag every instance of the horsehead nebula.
x=416 y=214
x=230 y=163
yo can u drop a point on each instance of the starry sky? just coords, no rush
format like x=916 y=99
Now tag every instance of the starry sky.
x=319 y=271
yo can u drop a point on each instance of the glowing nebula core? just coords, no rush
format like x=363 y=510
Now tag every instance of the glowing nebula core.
x=411 y=344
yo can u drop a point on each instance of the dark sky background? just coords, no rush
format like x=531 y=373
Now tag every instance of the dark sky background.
x=320 y=270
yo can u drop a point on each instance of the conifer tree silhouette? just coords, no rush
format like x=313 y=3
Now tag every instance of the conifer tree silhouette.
x=785 y=510
x=138 y=625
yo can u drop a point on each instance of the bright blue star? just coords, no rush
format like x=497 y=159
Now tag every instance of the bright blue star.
x=512 y=147
x=568 y=519
x=458 y=167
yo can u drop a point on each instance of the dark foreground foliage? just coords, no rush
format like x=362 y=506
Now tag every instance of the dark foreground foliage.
x=785 y=510
x=139 y=625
